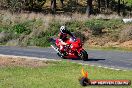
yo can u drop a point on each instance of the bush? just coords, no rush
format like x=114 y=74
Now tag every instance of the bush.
x=6 y=34
x=18 y=5
x=96 y=26
x=19 y=28
x=114 y=36
x=35 y=4
x=43 y=42
x=24 y=27
x=126 y=34
x=53 y=28
x=78 y=34
x=113 y=23
x=74 y=25
x=15 y=5
x=4 y=37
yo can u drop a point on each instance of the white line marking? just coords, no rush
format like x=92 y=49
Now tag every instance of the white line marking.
x=105 y=67
x=27 y=57
x=99 y=66
x=124 y=70
x=92 y=65
x=117 y=69
x=111 y=68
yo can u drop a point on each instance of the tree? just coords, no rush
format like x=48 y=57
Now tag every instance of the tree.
x=62 y=3
x=118 y=9
x=33 y=4
x=107 y=4
x=89 y=7
x=53 y=6
x=99 y=2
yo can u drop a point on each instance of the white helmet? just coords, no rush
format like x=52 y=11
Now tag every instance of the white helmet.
x=62 y=29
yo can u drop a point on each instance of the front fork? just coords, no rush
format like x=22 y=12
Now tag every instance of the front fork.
x=57 y=50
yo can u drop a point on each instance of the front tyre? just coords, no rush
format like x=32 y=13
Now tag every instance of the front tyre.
x=83 y=55
x=60 y=55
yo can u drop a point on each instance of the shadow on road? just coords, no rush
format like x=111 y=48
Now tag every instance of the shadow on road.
x=91 y=59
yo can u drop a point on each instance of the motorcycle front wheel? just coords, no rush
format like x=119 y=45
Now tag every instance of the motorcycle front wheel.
x=83 y=55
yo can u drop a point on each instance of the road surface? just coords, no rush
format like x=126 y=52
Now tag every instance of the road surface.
x=114 y=59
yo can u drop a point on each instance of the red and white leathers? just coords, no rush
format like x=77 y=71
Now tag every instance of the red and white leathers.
x=62 y=41
x=63 y=37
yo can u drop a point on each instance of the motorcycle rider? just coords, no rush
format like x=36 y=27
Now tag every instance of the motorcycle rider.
x=63 y=37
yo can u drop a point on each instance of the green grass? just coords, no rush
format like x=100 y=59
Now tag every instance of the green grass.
x=57 y=75
x=111 y=48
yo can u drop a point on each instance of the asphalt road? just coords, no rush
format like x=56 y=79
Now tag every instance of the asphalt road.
x=115 y=59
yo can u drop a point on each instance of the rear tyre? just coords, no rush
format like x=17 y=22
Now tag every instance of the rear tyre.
x=83 y=55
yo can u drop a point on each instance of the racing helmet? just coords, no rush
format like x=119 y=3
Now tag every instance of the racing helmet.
x=63 y=29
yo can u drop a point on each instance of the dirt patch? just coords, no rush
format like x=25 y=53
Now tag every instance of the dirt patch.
x=127 y=44
x=124 y=45
x=22 y=62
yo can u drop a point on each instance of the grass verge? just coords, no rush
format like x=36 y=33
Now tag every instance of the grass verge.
x=110 y=48
x=62 y=74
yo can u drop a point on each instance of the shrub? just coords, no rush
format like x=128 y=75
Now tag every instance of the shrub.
x=20 y=28
x=14 y=5
x=126 y=34
x=34 y=4
x=114 y=36
x=6 y=34
x=113 y=23
x=78 y=34
x=18 y=5
x=74 y=25
x=1 y=29
x=43 y=42
x=4 y=37
x=53 y=28
x=95 y=25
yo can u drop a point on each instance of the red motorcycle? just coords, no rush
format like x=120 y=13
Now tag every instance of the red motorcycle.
x=73 y=49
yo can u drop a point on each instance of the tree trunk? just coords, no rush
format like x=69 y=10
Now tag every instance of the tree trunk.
x=107 y=2
x=107 y=5
x=53 y=6
x=99 y=5
x=89 y=7
x=118 y=10
x=62 y=4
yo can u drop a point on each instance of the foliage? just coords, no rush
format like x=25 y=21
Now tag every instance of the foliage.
x=74 y=25
x=78 y=6
x=128 y=2
x=18 y=5
x=34 y=4
x=80 y=35
x=6 y=34
x=126 y=34
x=14 y=5
x=53 y=29
x=35 y=33
x=95 y=25
x=42 y=42
x=20 y=28
x=112 y=23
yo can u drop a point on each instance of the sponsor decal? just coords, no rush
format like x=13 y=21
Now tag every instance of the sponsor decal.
x=85 y=81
